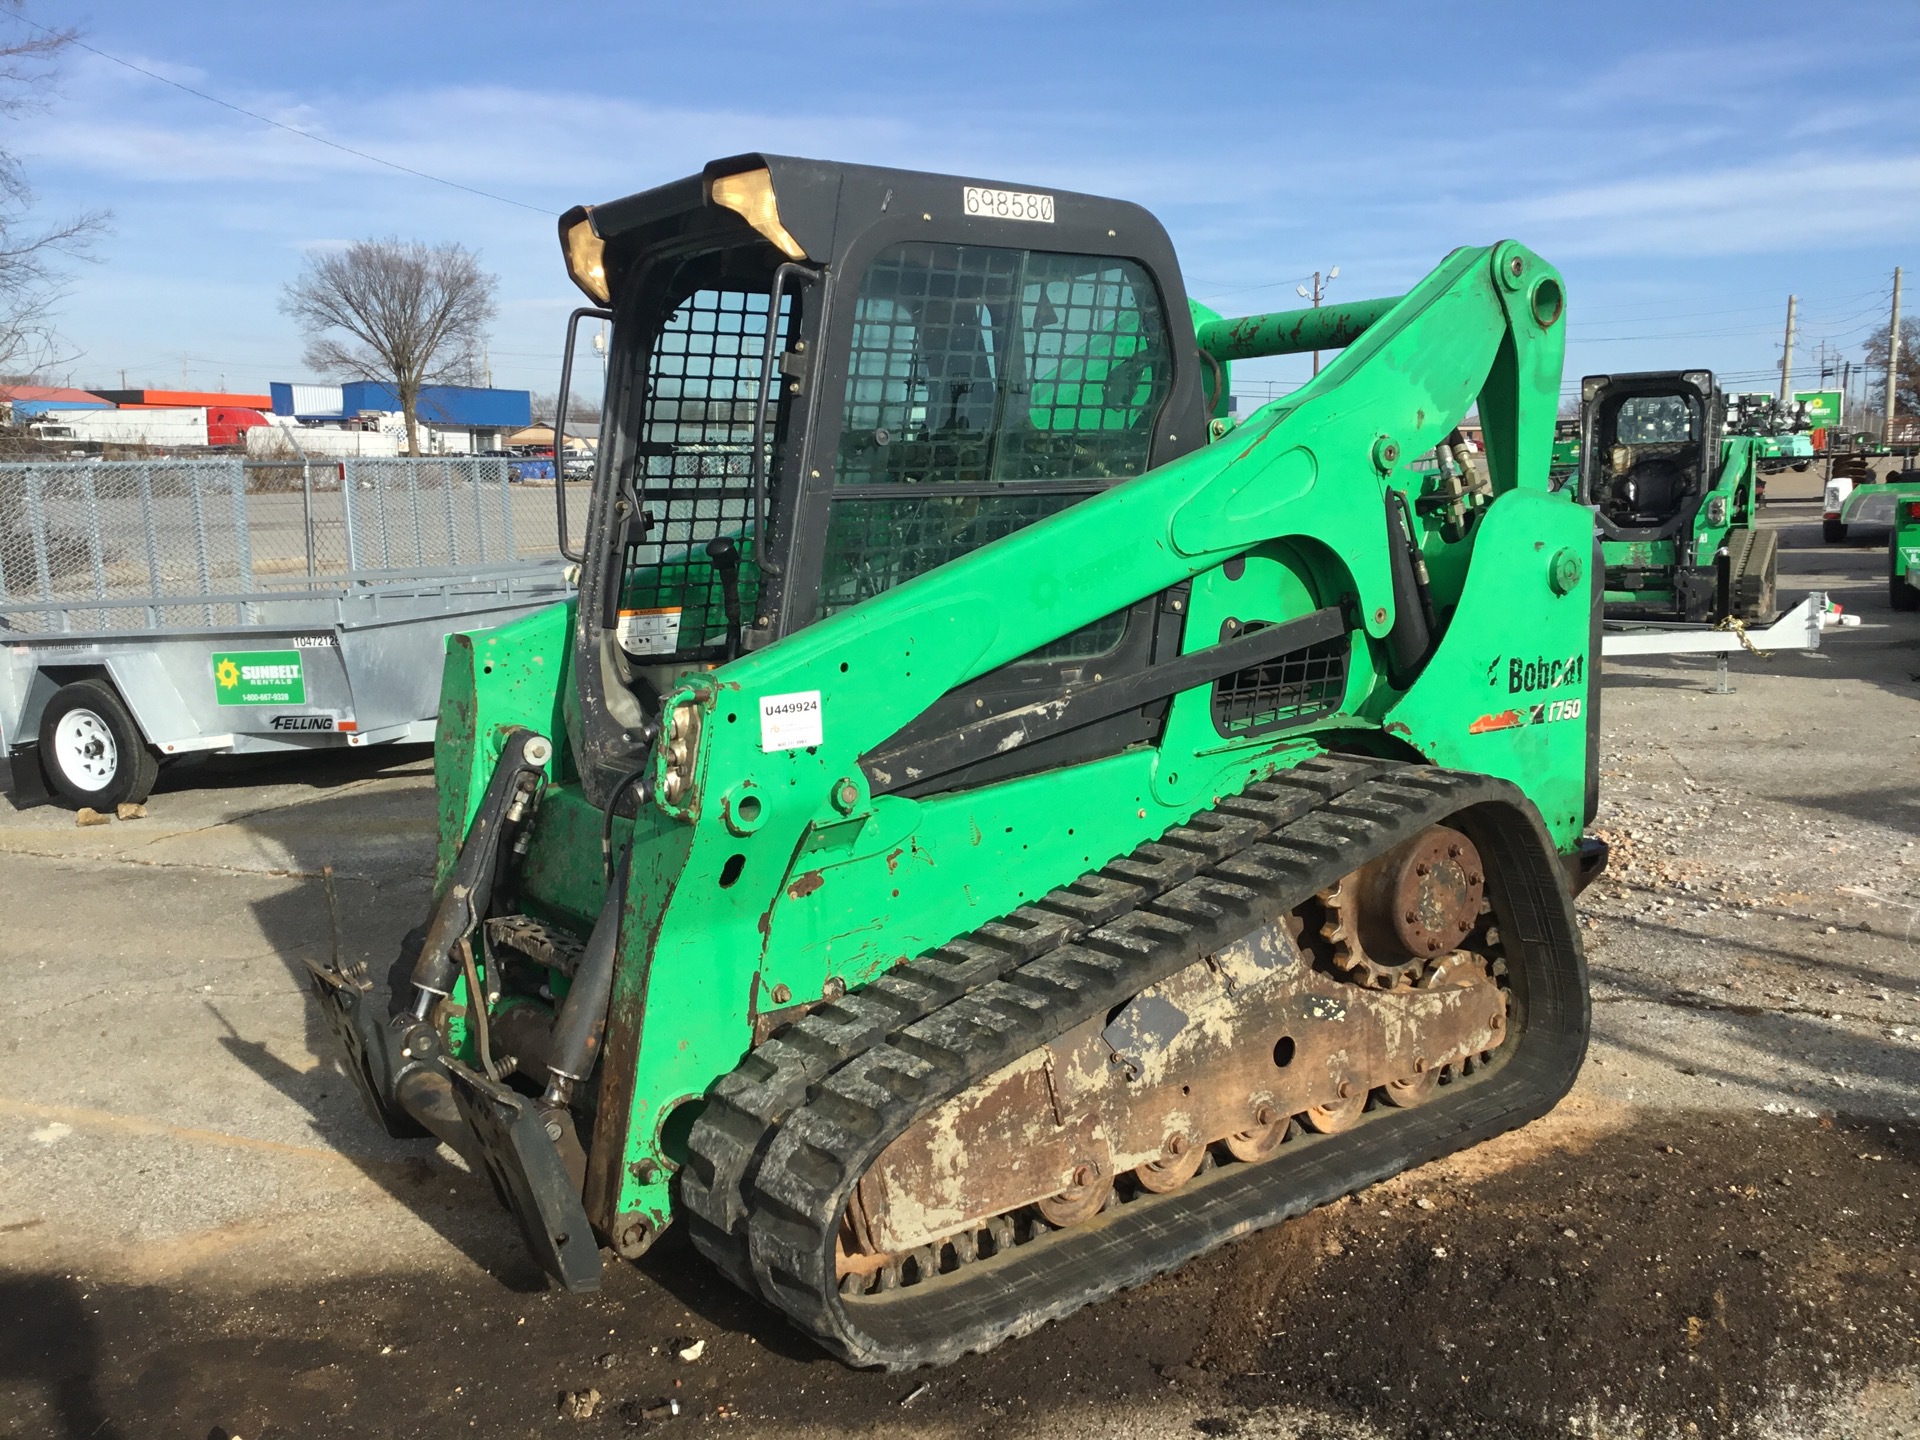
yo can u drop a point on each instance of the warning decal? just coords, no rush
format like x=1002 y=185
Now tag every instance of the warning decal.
x=650 y=632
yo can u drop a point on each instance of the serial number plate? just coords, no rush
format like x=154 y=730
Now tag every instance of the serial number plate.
x=1007 y=204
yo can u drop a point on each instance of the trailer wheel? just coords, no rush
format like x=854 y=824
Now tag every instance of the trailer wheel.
x=91 y=751
x=1832 y=531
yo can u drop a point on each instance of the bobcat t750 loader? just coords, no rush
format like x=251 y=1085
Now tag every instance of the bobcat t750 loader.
x=991 y=828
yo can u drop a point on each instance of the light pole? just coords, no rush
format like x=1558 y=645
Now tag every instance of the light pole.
x=1320 y=284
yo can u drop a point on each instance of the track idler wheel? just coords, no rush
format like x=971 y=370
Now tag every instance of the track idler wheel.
x=1080 y=1201
x=1414 y=1090
x=1336 y=1115
x=1271 y=1129
x=1179 y=1162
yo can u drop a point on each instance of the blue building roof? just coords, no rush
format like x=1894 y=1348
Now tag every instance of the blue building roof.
x=24 y=409
x=471 y=406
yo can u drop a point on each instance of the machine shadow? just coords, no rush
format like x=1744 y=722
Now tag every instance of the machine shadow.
x=1883 y=1079
x=493 y=1248
x=684 y=1273
x=49 y=1343
x=1751 y=945
x=318 y=769
x=1895 y=806
x=381 y=850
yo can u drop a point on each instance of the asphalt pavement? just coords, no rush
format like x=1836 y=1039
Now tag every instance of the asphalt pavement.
x=201 y=1233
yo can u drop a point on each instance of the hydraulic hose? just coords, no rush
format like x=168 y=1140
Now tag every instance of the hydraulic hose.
x=582 y=1022
x=1410 y=641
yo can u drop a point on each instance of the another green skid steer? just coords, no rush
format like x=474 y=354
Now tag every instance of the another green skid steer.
x=992 y=828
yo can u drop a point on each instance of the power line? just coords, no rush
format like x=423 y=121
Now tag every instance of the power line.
x=293 y=129
x=1878 y=293
x=1249 y=289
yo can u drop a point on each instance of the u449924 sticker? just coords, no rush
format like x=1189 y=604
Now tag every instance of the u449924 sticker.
x=790 y=722
x=1542 y=714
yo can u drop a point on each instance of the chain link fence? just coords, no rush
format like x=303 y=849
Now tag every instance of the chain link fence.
x=187 y=542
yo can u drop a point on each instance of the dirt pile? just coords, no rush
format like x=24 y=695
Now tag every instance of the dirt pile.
x=1683 y=1277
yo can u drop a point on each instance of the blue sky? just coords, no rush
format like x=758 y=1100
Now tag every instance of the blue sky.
x=1686 y=165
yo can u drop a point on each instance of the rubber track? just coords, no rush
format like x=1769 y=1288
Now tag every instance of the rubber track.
x=1265 y=851
x=1749 y=570
x=745 y=1104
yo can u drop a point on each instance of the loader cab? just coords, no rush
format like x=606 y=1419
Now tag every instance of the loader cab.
x=1649 y=445
x=825 y=380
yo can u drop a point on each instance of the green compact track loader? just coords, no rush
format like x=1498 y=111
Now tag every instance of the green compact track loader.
x=1673 y=482
x=990 y=828
x=1903 y=548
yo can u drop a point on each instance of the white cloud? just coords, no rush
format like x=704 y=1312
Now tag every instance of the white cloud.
x=1803 y=201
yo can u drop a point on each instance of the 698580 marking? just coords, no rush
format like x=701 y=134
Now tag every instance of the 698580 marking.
x=1007 y=204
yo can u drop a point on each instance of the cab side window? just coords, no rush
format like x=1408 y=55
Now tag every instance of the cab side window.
x=987 y=388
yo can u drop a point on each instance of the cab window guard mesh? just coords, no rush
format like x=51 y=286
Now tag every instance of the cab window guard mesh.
x=974 y=364
x=692 y=468
x=975 y=373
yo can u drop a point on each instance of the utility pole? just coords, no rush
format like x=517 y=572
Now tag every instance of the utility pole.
x=1786 y=355
x=1893 y=358
x=1319 y=289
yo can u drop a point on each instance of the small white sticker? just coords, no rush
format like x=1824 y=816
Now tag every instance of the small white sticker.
x=1007 y=204
x=789 y=722
x=650 y=632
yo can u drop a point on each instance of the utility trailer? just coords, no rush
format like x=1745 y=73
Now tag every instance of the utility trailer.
x=1798 y=629
x=154 y=609
x=1852 y=503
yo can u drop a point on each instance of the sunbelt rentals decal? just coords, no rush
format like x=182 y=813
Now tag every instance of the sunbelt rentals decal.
x=259 y=677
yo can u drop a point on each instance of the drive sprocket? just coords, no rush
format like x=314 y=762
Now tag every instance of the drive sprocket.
x=1390 y=920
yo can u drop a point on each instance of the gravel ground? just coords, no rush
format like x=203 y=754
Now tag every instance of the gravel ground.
x=201 y=1235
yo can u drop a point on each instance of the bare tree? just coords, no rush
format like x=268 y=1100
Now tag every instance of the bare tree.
x=1875 y=350
x=31 y=281
x=396 y=311
x=580 y=407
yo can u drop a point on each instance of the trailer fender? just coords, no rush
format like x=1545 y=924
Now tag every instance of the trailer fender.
x=144 y=685
x=24 y=692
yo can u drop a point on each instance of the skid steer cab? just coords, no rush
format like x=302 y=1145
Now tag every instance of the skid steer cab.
x=995 y=824
x=1672 y=471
